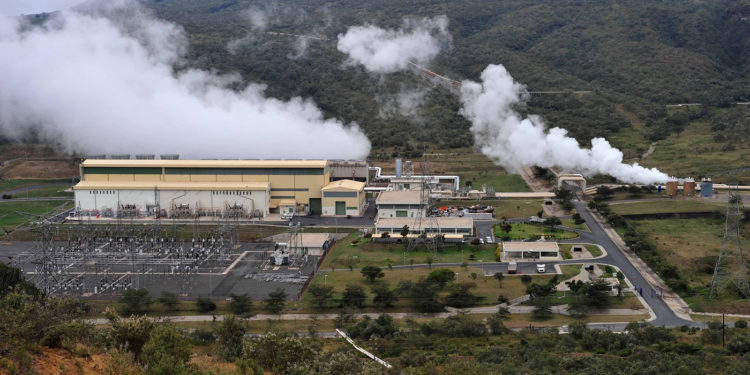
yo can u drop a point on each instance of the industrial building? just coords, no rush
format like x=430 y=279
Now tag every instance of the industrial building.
x=223 y=188
x=401 y=203
x=531 y=250
x=454 y=228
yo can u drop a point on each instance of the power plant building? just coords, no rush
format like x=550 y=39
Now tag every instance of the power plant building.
x=400 y=203
x=225 y=188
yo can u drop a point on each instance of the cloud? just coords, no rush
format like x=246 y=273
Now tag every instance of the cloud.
x=388 y=51
x=514 y=142
x=102 y=79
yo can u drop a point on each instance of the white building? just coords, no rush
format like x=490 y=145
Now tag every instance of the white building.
x=402 y=203
x=453 y=227
x=531 y=250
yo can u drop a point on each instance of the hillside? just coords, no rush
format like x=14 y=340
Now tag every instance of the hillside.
x=639 y=54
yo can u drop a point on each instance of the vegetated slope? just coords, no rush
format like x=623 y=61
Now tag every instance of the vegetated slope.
x=640 y=53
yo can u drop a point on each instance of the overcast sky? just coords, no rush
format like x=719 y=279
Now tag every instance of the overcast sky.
x=17 y=7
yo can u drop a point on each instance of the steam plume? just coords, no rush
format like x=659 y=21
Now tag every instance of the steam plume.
x=514 y=142
x=388 y=51
x=101 y=79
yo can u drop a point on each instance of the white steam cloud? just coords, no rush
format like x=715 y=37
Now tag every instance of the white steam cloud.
x=514 y=142
x=388 y=51
x=102 y=80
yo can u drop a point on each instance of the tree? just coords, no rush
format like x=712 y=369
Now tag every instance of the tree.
x=428 y=260
x=499 y=277
x=168 y=299
x=423 y=294
x=240 y=305
x=506 y=227
x=230 y=334
x=540 y=213
x=578 y=219
x=131 y=334
x=495 y=321
x=135 y=301
x=382 y=296
x=525 y=279
x=354 y=295
x=404 y=233
x=167 y=352
x=552 y=222
x=371 y=273
x=441 y=276
x=205 y=304
x=276 y=300
x=542 y=307
x=320 y=294
x=460 y=295
x=474 y=276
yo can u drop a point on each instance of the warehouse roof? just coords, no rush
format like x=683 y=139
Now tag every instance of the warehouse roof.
x=530 y=246
x=439 y=222
x=345 y=184
x=400 y=197
x=207 y=163
x=147 y=185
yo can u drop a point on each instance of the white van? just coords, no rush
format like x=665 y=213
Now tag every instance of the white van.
x=541 y=268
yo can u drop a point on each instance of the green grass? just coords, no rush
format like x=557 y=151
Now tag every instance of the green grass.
x=593 y=249
x=570 y=223
x=486 y=286
x=51 y=191
x=667 y=206
x=509 y=208
x=569 y=271
x=12 y=184
x=523 y=231
x=9 y=215
x=692 y=244
x=364 y=252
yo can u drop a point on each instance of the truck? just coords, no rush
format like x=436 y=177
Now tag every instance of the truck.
x=512 y=267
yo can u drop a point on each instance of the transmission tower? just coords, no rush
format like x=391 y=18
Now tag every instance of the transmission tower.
x=424 y=221
x=730 y=268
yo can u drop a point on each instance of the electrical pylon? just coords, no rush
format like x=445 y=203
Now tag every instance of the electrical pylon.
x=730 y=268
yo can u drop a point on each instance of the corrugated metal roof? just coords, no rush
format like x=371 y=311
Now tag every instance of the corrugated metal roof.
x=207 y=163
x=345 y=184
x=147 y=185
x=399 y=197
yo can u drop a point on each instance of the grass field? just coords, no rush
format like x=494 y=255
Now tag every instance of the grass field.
x=522 y=231
x=487 y=286
x=472 y=167
x=364 y=252
x=593 y=249
x=569 y=270
x=12 y=184
x=9 y=215
x=693 y=245
x=509 y=208
x=51 y=191
x=570 y=223
x=667 y=206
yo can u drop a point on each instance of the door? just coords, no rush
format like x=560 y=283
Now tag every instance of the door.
x=315 y=206
x=340 y=208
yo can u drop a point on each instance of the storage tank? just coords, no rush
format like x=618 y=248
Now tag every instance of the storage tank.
x=707 y=188
x=399 y=168
x=672 y=187
x=688 y=188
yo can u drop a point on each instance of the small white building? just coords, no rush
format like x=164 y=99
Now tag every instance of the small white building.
x=402 y=203
x=308 y=243
x=531 y=250
x=452 y=227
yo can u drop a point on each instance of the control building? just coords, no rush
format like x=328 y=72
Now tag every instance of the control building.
x=224 y=188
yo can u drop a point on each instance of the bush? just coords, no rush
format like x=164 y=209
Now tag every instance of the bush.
x=135 y=301
x=525 y=279
x=130 y=334
x=168 y=299
x=205 y=305
x=740 y=324
x=383 y=326
x=167 y=352
x=740 y=344
x=63 y=335
x=241 y=305
x=441 y=276
x=230 y=334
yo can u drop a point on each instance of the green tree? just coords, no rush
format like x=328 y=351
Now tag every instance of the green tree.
x=354 y=295
x=167 y=352
x=578 y=219
x=499 y=277
x=422 y=294
x=278 y=354
x=321 y=294
x=131 y=334
x=404 y=233
x=542 y=307
x=460 y=295
x=428 y=260
x=552 y=222
x=371 y=273
x=241 y=304
x=276 y=300
x=135 y=301
x=495 y=321
x=441 y=276
x=168 y=299
x=205 y=305
x=230 y=333
x=383 y=296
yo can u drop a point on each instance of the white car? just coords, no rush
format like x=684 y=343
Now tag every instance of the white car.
x=541 y=268
x=489 y=239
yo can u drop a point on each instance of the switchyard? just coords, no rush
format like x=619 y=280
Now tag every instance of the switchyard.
x=103 y=261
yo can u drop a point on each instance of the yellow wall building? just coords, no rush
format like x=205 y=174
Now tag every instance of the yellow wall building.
x=275 y=181
x=344 y=197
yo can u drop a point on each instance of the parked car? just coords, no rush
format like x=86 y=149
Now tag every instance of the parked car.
x=541 y=268
x=490 y=240
x=512 y=267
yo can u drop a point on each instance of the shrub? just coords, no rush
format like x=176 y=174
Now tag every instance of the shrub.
x=241 y=305
x=740 y=324
x=230 y=335
x=205 y=305
x=525 y=279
